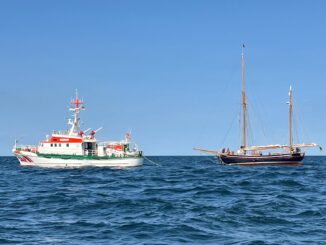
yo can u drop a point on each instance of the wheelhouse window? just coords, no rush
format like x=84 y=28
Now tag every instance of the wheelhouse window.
x=55 y=145
x=67 y=144
x=51 y=145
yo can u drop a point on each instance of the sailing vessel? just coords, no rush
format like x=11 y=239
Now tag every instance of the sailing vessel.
x=253 y=154
x=75 y=148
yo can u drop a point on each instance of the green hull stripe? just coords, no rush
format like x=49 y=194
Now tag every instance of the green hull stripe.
x=85 y=157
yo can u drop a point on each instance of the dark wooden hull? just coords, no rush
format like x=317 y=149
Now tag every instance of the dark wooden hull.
x=264 y=159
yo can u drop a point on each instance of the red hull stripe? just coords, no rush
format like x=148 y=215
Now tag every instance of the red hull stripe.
x=25 y=159
x=28 y=159
x=63 y=140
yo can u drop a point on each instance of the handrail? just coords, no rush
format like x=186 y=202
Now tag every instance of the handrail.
x=90 y=152
x=25 y=146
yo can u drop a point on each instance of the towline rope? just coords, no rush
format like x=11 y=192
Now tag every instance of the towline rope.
x=151 y=161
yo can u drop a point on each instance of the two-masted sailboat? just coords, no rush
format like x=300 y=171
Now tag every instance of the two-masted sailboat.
x=290 y=153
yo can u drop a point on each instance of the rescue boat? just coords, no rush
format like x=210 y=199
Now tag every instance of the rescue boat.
x=77 y=148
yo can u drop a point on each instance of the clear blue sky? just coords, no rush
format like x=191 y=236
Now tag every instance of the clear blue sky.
x=168 y=70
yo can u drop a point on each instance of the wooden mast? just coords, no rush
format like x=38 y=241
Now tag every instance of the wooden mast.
x=290 y=120
x=244 y=104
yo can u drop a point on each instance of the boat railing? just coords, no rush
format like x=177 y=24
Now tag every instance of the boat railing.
x=60 y=132
x=25 y=146
x=31 y=148
x=90 y=152
x=105 y=143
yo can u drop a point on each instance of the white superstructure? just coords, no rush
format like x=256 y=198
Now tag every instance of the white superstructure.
x=75 y=147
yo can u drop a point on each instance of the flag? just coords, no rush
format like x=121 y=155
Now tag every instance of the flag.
x=290 y=92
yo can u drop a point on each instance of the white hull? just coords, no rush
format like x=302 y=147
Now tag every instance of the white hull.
x=31 y=159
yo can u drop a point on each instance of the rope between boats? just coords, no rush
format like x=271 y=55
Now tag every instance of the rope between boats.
x=151 y=161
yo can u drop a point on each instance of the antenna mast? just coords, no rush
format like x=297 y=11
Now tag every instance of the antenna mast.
x=76 y=106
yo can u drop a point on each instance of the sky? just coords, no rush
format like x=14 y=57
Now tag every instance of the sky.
x=168 y=70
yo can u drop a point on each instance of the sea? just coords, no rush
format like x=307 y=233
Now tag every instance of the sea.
x=168 y=200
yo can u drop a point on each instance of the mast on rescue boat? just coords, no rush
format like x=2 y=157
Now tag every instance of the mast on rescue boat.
x=76 y=105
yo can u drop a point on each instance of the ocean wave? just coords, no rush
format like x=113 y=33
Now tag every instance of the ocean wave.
x=191 y=200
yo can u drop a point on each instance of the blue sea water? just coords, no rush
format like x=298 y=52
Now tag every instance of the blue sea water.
x=184 y=200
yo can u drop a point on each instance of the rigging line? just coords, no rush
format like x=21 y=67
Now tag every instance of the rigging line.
x=152 y=161
x=234 y=70
x=240 y=126
x=295 y=124
x=305 y=132
x=256 y=110
x=250 y=131
x=229 y=129
x=249 y=123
